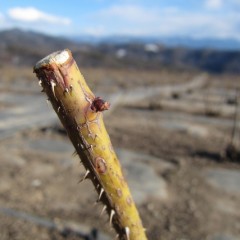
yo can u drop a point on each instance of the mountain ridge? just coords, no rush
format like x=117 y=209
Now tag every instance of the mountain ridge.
x=188 y=42
x=19 y=47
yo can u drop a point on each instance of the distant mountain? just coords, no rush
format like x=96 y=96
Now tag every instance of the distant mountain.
x=204 y=43
x=26 y=47
x=19 y=47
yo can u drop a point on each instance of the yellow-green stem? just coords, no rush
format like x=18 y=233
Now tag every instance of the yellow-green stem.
x=81 y=115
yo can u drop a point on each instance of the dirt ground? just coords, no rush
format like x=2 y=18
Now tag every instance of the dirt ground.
x=187 y=130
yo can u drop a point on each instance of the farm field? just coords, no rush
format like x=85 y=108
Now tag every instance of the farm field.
x=171 y=130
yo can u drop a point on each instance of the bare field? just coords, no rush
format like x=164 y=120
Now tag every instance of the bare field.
x=170 y=129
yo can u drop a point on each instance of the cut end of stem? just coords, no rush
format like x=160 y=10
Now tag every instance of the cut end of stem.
x=58 y=57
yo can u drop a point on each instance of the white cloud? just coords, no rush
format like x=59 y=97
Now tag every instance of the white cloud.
x=130 y=13
x=31 y=14
x=137 y=20
x=130 y=19
x=213 y=4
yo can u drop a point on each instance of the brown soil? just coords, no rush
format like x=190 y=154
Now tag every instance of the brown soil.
x=44 y=183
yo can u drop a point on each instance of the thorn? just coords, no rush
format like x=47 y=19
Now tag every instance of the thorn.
x=74 y=154
x=117 y=237
x=85 y=176
x=103 y=210
x=101 y=193
x=98 y=185
x=80 y=145
x=127 y=231
x=111 y=216
x=53 y=84
x=91 y=147
x=66 y=90
x=40 y=83
x=58 y=108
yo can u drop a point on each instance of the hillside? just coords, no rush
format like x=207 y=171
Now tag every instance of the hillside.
x=25 y=47
x=186 y=42
x=19 y=47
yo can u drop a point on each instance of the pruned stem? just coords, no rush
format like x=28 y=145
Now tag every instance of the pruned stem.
x=81 y=114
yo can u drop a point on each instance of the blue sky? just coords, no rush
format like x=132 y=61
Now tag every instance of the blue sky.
x=189 y=18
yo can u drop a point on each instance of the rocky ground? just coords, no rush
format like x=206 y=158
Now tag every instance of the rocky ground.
x=170 y=130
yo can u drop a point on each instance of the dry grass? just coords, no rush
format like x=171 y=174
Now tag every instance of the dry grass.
x=10 y=73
